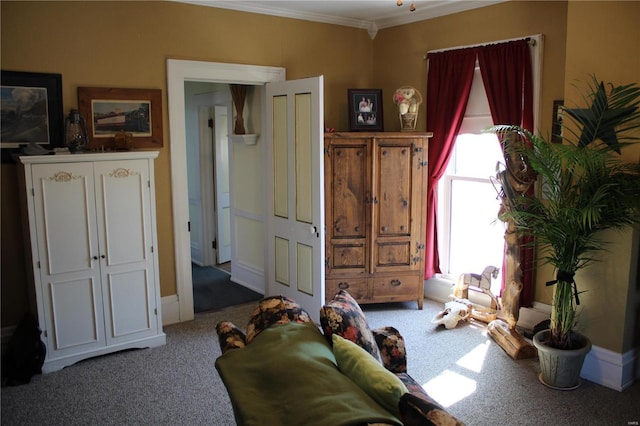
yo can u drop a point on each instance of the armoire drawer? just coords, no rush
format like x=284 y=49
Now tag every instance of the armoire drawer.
x=357 y=287
x=398 y=287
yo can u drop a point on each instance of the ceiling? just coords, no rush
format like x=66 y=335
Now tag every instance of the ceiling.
x=371 y=15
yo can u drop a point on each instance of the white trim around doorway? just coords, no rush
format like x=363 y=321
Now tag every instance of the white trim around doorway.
x=178 y=71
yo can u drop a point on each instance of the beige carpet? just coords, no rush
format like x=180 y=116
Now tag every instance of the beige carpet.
x=178 y=384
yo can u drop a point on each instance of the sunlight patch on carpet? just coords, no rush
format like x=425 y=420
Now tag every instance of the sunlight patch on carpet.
x=474 y=360
x=449 y=388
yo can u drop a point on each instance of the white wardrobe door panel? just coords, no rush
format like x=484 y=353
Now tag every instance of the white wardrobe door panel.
x=76 y=314
x=129 y=303
x=65 y=213
x=123 y=205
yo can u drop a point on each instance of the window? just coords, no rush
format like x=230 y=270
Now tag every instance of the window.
x=471 y=235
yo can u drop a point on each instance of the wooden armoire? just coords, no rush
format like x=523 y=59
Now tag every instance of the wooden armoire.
x=375 y=215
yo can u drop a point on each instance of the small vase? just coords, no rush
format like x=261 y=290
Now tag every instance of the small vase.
x=560 y=368
x=408 y=121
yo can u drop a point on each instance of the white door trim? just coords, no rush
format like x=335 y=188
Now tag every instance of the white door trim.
x=179 y=71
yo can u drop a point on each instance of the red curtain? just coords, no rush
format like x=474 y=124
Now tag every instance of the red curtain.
x=506 y=74
x=448 y=86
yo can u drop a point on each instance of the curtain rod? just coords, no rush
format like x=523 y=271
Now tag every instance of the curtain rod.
x=530 y=39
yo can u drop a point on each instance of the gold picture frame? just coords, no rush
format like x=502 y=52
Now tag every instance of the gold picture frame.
x=108 y=111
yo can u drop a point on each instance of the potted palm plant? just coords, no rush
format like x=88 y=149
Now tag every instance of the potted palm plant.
x=585 y=188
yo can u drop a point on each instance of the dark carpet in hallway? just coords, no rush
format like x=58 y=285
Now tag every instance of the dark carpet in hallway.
x=213 y=289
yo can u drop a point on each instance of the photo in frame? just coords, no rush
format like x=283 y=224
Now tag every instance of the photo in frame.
x=108 y=111
x=31 y=109
x=556 y=122
x=365 y=110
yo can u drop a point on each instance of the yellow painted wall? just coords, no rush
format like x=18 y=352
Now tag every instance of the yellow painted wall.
x=399 y=51
x=126 y=45
x=603 y=39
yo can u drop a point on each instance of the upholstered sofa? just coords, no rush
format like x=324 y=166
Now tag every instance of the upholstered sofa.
x=286 y=370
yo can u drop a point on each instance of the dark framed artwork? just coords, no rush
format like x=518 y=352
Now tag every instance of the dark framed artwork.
x=108 y=111
x=365 y=110
x=556 y=122
x=31 y=109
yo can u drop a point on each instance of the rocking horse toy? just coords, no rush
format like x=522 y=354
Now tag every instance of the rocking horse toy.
x=461 y=309
x=478 y=282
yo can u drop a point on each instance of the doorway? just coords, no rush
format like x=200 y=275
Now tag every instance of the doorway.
x=179 y=308
x=208 y=121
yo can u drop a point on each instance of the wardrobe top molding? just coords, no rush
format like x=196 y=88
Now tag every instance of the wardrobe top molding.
x=380 y=135
x=79 y=158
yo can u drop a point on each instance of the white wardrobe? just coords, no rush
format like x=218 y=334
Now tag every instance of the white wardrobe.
x=94 y=253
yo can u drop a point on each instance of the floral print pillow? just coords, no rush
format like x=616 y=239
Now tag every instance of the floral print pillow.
x=229 y=336
x=274 y=310
x=343 y=316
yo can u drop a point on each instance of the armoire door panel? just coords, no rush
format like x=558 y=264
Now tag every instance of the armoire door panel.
x=66 y=217
x=74 y=308
x=393 y=190
x=349 y=189
x=390 y=254
x=122 y=202
x=129 y=305
x=348 y=256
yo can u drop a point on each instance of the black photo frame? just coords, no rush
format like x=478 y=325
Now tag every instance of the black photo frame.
x=365 y=110
x=556 y=122
x=31 y=110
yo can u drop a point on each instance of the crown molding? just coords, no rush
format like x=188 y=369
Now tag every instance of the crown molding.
x=266 y=9
x=401 y=15
x=432 y=9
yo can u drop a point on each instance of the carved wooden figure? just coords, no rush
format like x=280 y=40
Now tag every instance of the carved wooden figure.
x=516 y=178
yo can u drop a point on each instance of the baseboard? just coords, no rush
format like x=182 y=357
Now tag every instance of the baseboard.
x=170 y=310
x=248 y=276
x=438 y=289
x=611 y=369
x=528 y=318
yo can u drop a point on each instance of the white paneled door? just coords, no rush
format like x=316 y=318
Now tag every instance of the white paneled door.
x=295 y=192
x=223 y=194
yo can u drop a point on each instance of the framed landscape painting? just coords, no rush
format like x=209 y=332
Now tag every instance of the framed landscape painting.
x=108 y=111
x=31 y=109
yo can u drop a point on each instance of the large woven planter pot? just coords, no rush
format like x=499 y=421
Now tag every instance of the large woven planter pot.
x=560 y=368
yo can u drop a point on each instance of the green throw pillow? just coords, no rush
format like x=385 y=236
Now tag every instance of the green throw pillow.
x=357 y=364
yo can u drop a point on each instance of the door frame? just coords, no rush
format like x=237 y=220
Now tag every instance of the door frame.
x=180 y=307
